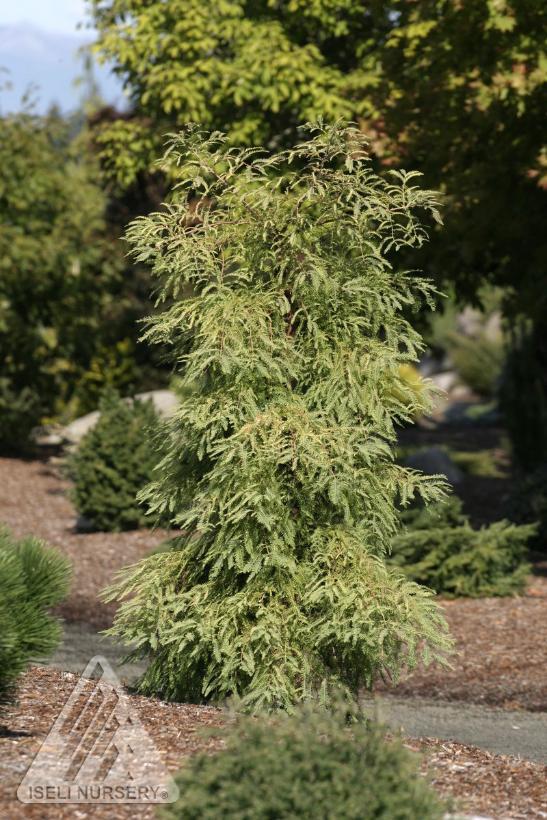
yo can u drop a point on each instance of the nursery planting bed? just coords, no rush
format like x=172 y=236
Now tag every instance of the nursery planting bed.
x=34 y=501
x=496 y=786
x=501 y=661
x=502 y=642
x=501 y=656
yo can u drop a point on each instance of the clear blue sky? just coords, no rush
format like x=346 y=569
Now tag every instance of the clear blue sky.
x=51 y=15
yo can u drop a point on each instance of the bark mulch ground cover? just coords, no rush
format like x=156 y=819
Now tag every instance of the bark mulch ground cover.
x=490 y=785
x=502 y=642
x=34 y=501
x=501 y=653
x=502 y=646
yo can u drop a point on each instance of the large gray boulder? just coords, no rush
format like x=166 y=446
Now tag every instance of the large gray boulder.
x=435 y=461
x=165 y=402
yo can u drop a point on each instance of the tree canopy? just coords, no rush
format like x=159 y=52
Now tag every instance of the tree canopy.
x=453 y=87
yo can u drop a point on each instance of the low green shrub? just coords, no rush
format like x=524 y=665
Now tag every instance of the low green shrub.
x=114 y=462
x=438 y=548
x=529 y=505
x=309 y=765
x=478 y=360
x=33 y=578
x=484 y=463
x=20 y=411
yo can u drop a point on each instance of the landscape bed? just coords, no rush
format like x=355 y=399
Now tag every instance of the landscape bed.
x=483 y=784
x=502 y=646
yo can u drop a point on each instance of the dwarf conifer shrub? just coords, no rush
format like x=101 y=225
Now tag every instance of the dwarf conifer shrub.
x=439 y=548
x=33 y=578
x=114 y=462
x=314 y=764
x=280 y=469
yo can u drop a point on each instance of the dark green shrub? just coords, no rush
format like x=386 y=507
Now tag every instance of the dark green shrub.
x=524 y=394
x=114 y=462
x=529 y=505
x=314 y=764
x=439 y=548
x=20 y=411
x=33 y=578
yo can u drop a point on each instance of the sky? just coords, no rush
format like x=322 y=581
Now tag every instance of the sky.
x=61 y=16
x=39 y=43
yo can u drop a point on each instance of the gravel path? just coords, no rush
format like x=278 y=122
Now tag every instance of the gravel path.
x=501 y=731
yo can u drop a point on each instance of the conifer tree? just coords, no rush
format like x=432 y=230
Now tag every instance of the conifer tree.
x=279 y=470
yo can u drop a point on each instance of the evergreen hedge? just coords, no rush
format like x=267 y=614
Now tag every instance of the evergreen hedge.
x=114 y=462
x=33 y=578
x=439 y=548
x=287 y=316
x=314 y=764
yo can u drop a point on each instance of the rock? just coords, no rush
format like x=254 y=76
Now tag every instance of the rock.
x=76 y=430
x=429 y=365
x=446 y=381
x=473 y=323
x=165 y=402
x=83 y=524
x=435 y=461
x=48 y=437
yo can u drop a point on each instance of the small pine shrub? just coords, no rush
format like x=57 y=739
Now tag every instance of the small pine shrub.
x=314 y=764
x=439 y=548
x=33 y=578
x=529 y=505
x=114 y=462
x=286 y=314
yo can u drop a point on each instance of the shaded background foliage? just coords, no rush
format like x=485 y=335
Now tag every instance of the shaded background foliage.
x=69 y=300
x=455 y=88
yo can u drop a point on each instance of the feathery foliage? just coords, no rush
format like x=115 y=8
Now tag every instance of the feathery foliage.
x=33 y=578
x=280 y=469
x=114 y=462
x=440 y=549
x=313 y=764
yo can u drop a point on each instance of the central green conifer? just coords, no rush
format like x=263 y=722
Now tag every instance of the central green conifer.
x=287 y=320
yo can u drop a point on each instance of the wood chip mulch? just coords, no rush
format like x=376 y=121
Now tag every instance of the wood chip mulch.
x=495 y=786
x=34 y=501
x=501 y=655
x=502 y=642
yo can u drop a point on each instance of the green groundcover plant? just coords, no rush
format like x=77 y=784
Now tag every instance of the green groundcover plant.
x=314 y=764
x=280 y=469
x=439 y=548
x=114 y=461
x=33 y=578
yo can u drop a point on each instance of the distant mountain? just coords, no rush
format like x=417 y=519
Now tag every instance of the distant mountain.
x=49 y=63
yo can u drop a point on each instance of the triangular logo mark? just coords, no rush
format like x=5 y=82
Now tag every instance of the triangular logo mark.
x=97 y=751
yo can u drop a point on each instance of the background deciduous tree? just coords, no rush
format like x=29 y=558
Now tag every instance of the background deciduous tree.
x=68 y=298
x=456 y=88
